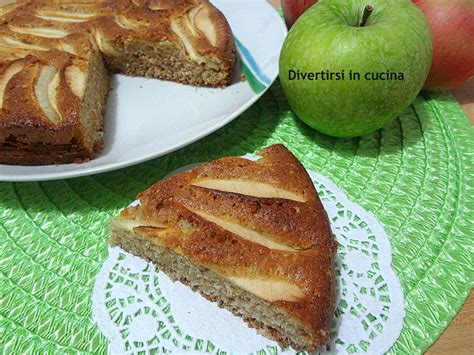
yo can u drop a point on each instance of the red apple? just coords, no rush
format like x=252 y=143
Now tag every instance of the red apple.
x=452 y=22
x=292 y=9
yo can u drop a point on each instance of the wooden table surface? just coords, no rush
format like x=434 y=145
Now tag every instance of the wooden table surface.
x=459 y=336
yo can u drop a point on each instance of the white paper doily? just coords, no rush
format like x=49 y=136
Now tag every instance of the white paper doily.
x=140 y=310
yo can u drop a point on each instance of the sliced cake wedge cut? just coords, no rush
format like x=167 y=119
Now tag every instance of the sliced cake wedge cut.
x=250 y=235
x=55 y=57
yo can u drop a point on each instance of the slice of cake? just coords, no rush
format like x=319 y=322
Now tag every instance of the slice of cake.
x=251 y=236
x=53 y=60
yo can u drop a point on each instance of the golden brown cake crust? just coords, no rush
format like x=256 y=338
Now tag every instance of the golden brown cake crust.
x=118 y=20
x=46 y=49
x=295 y=247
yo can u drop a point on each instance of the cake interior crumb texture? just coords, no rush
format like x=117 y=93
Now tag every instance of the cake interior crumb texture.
x=270 y=321
x=56 y=58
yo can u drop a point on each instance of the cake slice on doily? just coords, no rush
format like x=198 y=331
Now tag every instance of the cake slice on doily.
x=250 y=235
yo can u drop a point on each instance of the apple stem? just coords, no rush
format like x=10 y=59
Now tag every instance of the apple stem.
x=367 y=11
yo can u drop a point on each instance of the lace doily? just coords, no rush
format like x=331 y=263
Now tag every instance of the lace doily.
x=140 y=310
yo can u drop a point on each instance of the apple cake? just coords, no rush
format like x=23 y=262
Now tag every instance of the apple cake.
x=55 y=57
x=250 y=235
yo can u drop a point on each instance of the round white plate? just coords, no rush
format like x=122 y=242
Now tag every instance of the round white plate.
x=147 y=118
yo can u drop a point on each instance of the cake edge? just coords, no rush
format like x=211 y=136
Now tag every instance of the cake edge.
x=82 y=147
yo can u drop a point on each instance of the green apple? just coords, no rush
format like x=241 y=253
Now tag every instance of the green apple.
x=388 y=43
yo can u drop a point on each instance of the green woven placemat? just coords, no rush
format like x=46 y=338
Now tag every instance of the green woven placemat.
x=415 y=175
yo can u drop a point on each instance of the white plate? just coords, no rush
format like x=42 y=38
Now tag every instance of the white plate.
x=148 y=118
